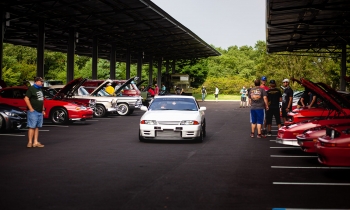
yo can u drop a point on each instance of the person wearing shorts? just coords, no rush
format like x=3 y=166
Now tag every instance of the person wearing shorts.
x=244 y=94
x=274 y=97
x=258 y=101
x=34 y=99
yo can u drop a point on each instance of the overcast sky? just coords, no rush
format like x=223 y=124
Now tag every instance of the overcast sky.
x=223 y=23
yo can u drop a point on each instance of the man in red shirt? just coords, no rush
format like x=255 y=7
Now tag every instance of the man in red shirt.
x=263 y=83
x=151 y=91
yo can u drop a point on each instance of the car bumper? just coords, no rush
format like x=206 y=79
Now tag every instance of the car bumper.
x=178 y=132
x=291 y=142
x=333 y=156
x=111 y=109
x=307 y=145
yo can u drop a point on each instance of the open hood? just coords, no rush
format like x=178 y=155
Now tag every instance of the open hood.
x=132 y=79
x=333 y=99
x=140 y=83
x=94 y=92
x=70 y=87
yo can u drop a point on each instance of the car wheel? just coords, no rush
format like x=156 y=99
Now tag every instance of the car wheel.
x=140 y=137
x=100 y=111
x=201 y=136
x=123 y=109
x=59 y=116
x=2 y=123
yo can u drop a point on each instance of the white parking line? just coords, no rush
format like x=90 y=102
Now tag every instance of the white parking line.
x=293 y=156
x=306 y=183
x=284 y=147
x=310 y=167
x=64 y=126
x=11 y=135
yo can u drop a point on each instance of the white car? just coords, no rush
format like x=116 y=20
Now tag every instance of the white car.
x=173 y=117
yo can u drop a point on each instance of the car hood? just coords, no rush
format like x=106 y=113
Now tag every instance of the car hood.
x=170 y=115
x=132 y=79
x=70 y=87
x=333 y=99
x=102 y=85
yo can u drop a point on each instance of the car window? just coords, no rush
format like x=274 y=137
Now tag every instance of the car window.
x=181 y=104
x=6 y=94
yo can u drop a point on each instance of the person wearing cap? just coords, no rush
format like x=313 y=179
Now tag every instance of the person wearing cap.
x=274 y=97
x=34 y=100
x=287 y=99
x=258 y=101
x=244 y=94
x=263 y=83
x=109 y=89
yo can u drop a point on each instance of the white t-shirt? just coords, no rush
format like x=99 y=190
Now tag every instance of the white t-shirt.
x=216 y=90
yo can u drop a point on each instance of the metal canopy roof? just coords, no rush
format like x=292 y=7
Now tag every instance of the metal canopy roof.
x=137 y=25
x=307 y=25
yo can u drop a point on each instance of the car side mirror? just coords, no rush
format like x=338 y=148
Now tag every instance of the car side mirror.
x=203 y=108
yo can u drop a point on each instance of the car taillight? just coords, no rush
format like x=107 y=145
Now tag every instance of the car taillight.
x=328 y=144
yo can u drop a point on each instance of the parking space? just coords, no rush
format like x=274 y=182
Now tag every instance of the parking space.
x=100 y=164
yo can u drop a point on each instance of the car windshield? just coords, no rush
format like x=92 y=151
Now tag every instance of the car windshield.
x=103 y=93
x=181 y=104
x=83 y=92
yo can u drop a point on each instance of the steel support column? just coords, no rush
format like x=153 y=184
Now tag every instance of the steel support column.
x=159 y=73
x=70 y=55
x=150 y=72
x=40 y=49
x=139 y=66
x=343 y=68
x=167 y=66
x=3 y=22
x=173 y=71
x=128 y=63
x=112 y=62
x=94 y=57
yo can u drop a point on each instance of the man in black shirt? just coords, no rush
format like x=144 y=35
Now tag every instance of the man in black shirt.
x=274 y=97
x=287 y=99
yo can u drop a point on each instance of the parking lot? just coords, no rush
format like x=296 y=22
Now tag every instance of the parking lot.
x=100 y=164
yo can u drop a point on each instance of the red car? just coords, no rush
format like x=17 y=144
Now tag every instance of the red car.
x=58 y=111
x=337 y=112
x=333 y=149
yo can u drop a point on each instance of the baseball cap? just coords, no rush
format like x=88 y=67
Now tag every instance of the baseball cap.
x=272 y=81
x=263 y=78
x=286 y=80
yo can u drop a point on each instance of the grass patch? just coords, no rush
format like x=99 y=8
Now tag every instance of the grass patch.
x=221 y=97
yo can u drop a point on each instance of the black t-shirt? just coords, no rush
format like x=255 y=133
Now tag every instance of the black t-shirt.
x=178 y=90
x=203 y=90
x=288 y=92
x=274 y=96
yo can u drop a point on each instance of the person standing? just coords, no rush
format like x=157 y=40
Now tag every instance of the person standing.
x=263 y=83
x=258 y=101
x=178 y=90
x=287 y=99
x=204 y=92
x=243 y=93
x=216 y=93
x=156 y=90
x=34 y=100
x=274 y=97
x=163 y=89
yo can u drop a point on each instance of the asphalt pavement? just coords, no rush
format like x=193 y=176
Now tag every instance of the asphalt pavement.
x=100 y=164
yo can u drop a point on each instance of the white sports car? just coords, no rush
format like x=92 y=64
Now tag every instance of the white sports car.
x=173 y=117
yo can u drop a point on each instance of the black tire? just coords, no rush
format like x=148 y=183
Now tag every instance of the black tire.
x=100 y=111
x=123 y=109
x=59 y=116
x=201 y=136
x=140 y=137
x=204 y=129
x=2 y=124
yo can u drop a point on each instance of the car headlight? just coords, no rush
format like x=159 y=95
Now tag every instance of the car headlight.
x=10 y=114
x=149 y=122
x=82 y=108
x=189 y=122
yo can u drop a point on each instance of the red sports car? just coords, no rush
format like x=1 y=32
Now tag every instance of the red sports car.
x=338 y=112
x=58 y=111
x=308 y=139
x=333 y=149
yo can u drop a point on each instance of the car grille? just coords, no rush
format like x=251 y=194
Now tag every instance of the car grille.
x=168 y=122
x=168 y=134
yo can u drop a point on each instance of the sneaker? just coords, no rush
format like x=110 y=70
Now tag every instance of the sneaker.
x=252 y=135
x=258 y=136
x=269 y=134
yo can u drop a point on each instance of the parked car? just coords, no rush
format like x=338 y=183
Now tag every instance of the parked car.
x=308 y=138
x=58 y=111
x=12 y=118
x=173 y=117
x=75 y=91
x=338 y=112
x=333 y=149
x=127 y=99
